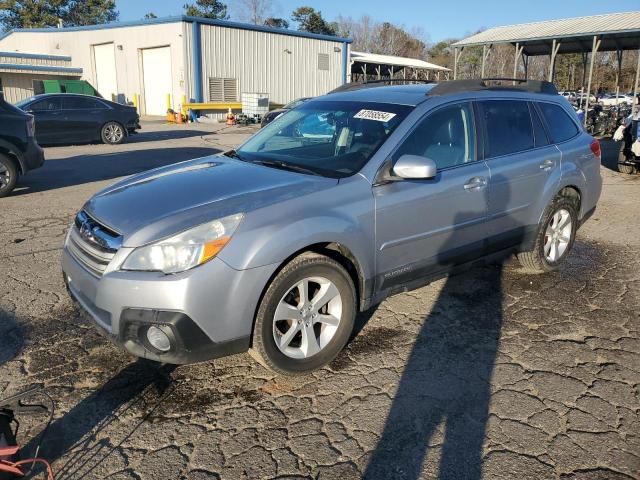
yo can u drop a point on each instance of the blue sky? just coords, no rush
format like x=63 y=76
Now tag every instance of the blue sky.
x=439 y=19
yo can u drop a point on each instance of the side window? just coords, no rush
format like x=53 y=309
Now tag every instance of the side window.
x=446 y=136
x=508 y=126
x=80 y=103
x=538 y=130
x=47 y=104
x=561 y=127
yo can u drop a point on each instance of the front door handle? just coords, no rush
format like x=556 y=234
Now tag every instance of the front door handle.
x=475 y=183
x=547 y=165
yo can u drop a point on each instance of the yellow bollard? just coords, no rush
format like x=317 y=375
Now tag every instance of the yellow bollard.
x=135 y=101
x=168 y=101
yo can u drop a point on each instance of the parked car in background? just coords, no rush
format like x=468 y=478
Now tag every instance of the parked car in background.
x=345 y=200
x=19 y=151
x=269 y=117
x=70 y=118
x=611 y=99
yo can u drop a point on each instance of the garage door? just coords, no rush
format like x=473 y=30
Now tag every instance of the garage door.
x=156 y=70
x=106 y=80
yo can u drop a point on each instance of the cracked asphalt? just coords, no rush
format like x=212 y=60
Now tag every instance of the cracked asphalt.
x=491 y=374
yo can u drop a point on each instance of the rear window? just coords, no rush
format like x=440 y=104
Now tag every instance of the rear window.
x=561 y=126
x=538 y=130
x=508 y=126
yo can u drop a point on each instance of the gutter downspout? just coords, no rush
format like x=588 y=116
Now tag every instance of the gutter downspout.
x=345 y=61
x=196 y=61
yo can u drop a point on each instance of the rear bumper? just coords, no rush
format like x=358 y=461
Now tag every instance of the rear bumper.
x=33 y=156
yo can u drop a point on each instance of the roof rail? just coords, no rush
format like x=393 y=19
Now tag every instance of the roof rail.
x=455 y=86
x=376 y=83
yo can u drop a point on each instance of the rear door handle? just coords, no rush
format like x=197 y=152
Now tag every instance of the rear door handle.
x=475 y=183
x=547 y=165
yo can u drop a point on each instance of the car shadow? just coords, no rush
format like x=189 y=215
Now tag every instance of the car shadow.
x=142 y=136
x=610 y=149
x=78 y=434
x=441 y=406
x=81 y=169
x=12 y=338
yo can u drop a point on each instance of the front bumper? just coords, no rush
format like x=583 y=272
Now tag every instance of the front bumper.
x=208 y=310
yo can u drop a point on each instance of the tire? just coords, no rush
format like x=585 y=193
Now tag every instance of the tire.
x=541 y=260
x=291 y=354
x=8 y=175
x=113 y=133
x=623 y=167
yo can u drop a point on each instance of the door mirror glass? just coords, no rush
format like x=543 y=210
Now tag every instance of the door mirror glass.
x=415 y=167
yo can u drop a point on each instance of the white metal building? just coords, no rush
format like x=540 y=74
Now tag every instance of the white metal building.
x=199 y=59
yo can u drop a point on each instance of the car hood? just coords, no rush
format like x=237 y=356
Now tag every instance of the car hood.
x=162 y=202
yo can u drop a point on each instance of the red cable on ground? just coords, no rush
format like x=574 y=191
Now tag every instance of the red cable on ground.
x=14 y=467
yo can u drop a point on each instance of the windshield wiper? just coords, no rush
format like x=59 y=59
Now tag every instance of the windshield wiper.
x=233 y=154
x=286 y=166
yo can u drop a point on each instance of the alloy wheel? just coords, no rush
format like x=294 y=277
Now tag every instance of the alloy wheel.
x=5 y=176
x=113 y=133
x=558 y=235
x=307 y=317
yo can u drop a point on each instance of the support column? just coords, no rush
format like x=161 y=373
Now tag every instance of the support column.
x=364 y=72
x=516 y=60
x=378 y=72
x=594 y=50
x=618 y=72
x=525 y=61
x=486 y=51
x=634 y=109
x=552 y=59
x=456 y=58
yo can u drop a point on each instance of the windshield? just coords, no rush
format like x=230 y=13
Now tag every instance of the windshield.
x=333 y=139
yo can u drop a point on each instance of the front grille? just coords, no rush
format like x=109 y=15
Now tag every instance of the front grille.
x=93 y=245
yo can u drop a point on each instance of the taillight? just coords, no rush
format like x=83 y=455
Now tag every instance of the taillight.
x=595 y=148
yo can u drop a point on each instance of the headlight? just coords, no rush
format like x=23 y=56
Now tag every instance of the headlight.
x=185 y=250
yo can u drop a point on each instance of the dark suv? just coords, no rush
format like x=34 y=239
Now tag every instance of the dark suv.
x=19 y=151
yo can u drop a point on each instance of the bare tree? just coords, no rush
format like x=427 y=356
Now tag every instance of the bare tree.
x=255 y=11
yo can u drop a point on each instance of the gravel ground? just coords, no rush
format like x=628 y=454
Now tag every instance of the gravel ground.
x=488 y=374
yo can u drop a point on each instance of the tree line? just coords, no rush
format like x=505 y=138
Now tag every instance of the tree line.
x=368 y=35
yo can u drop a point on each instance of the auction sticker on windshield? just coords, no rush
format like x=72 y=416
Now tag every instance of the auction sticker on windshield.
x=374 y=115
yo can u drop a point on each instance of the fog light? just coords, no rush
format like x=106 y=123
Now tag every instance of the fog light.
x=158 y=339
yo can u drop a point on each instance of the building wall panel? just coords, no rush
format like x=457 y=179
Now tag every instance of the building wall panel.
x=283 y=66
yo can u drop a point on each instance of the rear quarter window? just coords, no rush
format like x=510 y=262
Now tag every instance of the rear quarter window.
x=561 y=126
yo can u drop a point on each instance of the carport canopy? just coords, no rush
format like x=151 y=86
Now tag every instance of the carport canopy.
x=378 y=66
x=599 y=33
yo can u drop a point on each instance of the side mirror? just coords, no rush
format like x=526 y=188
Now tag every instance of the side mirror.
x=415 y=167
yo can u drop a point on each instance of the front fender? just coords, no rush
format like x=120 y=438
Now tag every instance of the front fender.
x=342 y=214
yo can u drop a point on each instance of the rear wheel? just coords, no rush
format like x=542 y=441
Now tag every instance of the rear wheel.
x=623 y=156
x=112 y=133
x=306 y=316
x=555 y=236
x=8 y=175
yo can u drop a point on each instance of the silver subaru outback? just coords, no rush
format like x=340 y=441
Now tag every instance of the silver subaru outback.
x=366 y=192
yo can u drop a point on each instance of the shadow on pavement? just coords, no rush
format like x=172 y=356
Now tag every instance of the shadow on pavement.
x=83 y=169
x=610 y=151
x=144 y=136
x=11 y=338
x=78 y=432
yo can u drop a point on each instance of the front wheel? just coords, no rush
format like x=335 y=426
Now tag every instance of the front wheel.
x=8 y=175
x=112 y=133
x=306 y=316
x=555 y=236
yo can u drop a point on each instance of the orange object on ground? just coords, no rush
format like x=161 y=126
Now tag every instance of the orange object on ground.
x=231 y=118
x=179 y=118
